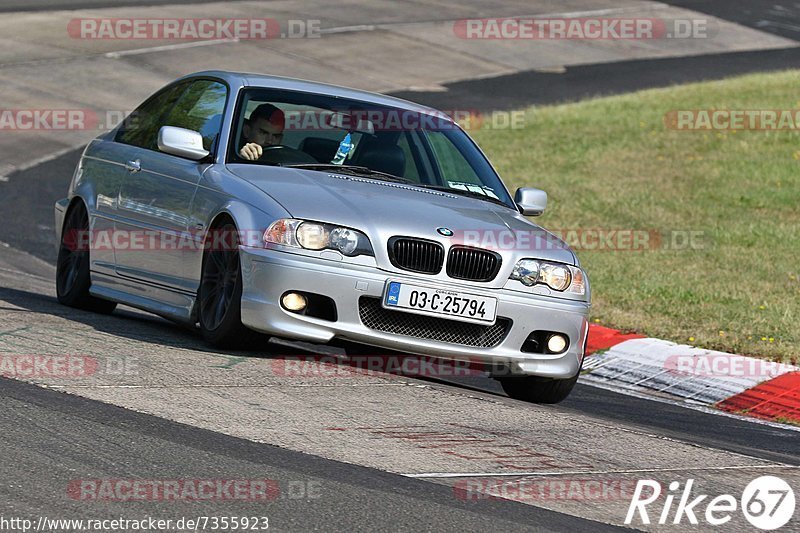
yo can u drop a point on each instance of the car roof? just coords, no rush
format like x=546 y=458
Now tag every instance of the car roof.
x=279 y=82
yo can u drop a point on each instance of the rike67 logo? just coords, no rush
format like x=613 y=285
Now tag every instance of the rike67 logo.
x=767 y=502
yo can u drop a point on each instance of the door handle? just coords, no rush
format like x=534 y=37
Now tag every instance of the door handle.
x=133 y=166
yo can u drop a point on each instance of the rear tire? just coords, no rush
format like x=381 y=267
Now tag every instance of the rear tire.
x=538 y=390
x=72 y=267
x=220 y=296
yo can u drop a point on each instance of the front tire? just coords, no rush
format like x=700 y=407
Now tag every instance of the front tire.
x=537 y=389
x=72 y=267
x=220 y=295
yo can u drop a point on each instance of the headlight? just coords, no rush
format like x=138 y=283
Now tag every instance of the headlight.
x=283 y=231
x=557 y=276
x=318 y=236
x=345 y=240
x=526 y=271
x=312 y=236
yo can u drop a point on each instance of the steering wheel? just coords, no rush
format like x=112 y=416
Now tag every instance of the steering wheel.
x=280 y=154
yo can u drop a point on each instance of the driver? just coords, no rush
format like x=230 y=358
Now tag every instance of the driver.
x=264 y=128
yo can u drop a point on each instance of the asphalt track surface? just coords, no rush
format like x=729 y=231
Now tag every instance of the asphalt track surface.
x=779 y=17
x=52 y=5
x=522 y=89
x=771 y=16
x=54 y=438
x=50 y=438
x=575 y=83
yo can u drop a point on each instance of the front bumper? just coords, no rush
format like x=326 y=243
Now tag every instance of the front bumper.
x=268 y=274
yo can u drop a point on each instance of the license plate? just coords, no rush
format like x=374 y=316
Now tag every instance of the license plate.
x=440 y=302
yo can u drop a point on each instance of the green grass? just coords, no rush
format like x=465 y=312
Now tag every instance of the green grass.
x=611 y=163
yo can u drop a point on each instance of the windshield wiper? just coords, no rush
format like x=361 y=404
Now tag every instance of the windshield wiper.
x=465 y=192
x=350 y=169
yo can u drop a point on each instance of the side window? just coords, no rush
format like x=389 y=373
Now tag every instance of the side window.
x=141 y=127
x=200 y=109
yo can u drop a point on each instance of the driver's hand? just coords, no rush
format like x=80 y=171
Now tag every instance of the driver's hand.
x=251 y=151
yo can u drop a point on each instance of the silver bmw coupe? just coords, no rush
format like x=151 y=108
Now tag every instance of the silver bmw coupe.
x=248 y=203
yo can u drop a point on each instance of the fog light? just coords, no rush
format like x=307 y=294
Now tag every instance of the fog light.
x=556 y=343
x=294 y=301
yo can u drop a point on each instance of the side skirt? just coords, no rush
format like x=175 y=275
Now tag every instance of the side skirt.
x=168 y=303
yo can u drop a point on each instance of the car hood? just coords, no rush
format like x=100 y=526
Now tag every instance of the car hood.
x=383 y=209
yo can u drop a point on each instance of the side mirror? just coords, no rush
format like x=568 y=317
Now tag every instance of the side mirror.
x=181 y=142
x=530 y=201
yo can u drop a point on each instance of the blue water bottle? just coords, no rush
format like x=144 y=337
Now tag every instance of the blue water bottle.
x=345 y=147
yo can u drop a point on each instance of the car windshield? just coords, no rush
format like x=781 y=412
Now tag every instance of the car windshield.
x=326 y=133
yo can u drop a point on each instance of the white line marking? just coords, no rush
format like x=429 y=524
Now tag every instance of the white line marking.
x=10 y=169
x=599 y=12
x=358 y=27
x=20 y=273
x=597 y=472
x=177 y=46
x=781 y=25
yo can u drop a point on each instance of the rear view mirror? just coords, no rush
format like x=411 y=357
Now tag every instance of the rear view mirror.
x=353 y=122
x=531 y=202
x=181 y=142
